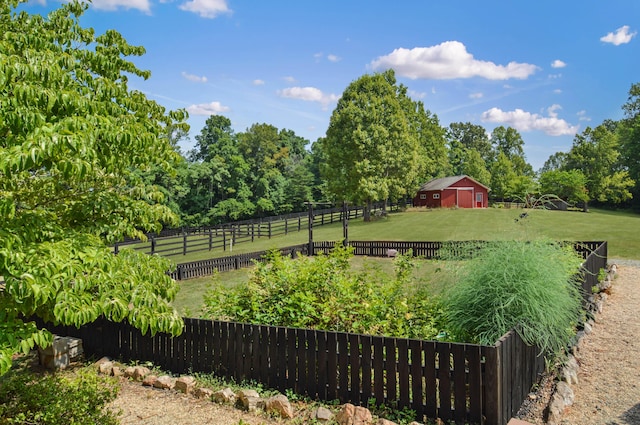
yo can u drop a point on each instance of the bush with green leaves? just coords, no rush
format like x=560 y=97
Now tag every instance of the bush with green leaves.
x=56 y=399
x=527 y=286
x=322 y=292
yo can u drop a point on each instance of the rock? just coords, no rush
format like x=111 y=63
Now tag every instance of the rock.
x=587 y=328
x=140 y=372
x=385 y=422
x=279 y=404
x=105 y=367
x=117 y=371
x=323 y=414
x=515 y=421
x=128 y=372
x=392 y=253
x=205 y=393
x=102 y=360
x=414 y=423
x=354 y=415
x=250 y=400
x=564 y=390
x=556 y=407
x=185 y=384
x=165 y=382
x=225 y=396
x=570 y=371
x=149 y=380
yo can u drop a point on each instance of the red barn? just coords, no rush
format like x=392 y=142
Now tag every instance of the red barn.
x=456 y=191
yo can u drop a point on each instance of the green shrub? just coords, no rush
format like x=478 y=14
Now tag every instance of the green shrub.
x=56 y=399
x=529 y=286
x=323 y=292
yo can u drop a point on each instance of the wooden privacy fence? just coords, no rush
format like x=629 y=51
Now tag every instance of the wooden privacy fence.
x=462 y=382
x=465 y=383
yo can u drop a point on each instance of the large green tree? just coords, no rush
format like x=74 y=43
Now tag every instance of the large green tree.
x=596 y=152
x=630 y=140
x=372 y=150
x=71 y=136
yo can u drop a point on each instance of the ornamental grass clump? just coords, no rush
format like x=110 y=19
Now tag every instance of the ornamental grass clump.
x=527 y=286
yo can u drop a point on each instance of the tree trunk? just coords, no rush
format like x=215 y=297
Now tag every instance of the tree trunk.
x=367 y=211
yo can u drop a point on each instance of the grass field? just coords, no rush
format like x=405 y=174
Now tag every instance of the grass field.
x=620 y=229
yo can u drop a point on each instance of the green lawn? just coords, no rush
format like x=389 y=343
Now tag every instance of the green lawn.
x=620 y=229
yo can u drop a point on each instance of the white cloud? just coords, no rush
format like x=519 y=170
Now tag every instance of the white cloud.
x=333 y=58
x=206 y=8
x=551 y=110
x=582 y=116
x=621 y=36
x=258 y=82
x=143 y=5
x=289 y=79
x=557 y=91
x=194 y=78
x=207 y=109
x=417 y=94
x=526 y=121
x=309 y=94
x=476 y=95
x=558 y=64
x=448 y=60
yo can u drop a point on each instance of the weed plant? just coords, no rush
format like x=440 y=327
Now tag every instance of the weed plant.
x=529 y=286
x=74 y=398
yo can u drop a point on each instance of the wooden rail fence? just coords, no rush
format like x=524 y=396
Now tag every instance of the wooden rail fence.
x=172 y=242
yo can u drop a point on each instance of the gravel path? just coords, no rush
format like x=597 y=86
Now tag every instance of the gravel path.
x=608 y=392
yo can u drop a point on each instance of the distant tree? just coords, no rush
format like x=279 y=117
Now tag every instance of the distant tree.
x=630 y=140
x=72 y=135
x=474 y=166
x=472 y=136
x=596 y=153
x=568 y=185
x=502 y=178
x=555 y=162
x=371 y=148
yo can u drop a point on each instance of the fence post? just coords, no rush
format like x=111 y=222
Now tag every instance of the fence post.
x=116 y=248
x=299 y=223
x=224 y=240
x=184 y=244
x=153 y=245
x=269 y=223
x=253 y=230
x=210 y=240
x=286 y=226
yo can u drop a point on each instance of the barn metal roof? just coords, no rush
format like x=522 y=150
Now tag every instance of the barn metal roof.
x=445 y=182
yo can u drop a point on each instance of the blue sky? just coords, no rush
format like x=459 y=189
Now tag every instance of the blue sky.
x=547 y=68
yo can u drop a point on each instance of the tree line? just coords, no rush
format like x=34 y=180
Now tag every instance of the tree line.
x=381 y=146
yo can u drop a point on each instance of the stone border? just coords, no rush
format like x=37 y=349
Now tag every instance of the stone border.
x=245 y=399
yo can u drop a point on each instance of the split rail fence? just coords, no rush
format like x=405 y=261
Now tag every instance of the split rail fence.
x=464 y=383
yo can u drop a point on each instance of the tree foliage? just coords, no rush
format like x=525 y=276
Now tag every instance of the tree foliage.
x=596 y=152
x=72 y=135
x=372 y=147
